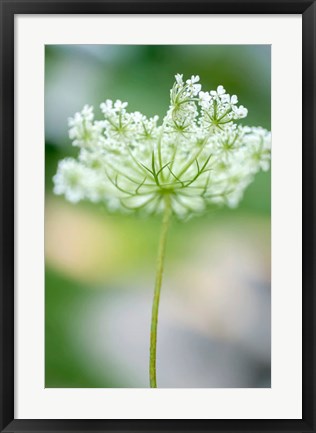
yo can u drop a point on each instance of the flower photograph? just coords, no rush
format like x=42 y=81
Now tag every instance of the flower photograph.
x=157 y=216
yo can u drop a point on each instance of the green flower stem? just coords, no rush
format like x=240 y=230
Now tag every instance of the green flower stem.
x=155 y=305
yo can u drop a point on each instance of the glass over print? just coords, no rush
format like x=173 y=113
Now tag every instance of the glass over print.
x=192 y=160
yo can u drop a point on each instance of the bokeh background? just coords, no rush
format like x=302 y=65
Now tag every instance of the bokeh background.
x=214 y=323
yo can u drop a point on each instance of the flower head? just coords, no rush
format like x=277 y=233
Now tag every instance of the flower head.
x=198 y=156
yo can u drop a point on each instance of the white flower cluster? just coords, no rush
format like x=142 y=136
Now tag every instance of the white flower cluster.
x=196 y=157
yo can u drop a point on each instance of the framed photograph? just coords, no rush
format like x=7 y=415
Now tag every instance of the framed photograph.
x=157 y=248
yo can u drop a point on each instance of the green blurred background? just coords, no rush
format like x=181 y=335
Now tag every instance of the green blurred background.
x=214 y=324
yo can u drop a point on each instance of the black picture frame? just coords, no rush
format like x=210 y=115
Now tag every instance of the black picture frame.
x=8 y=10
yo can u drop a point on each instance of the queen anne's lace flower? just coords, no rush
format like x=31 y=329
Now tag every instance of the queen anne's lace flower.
x=198 y=156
